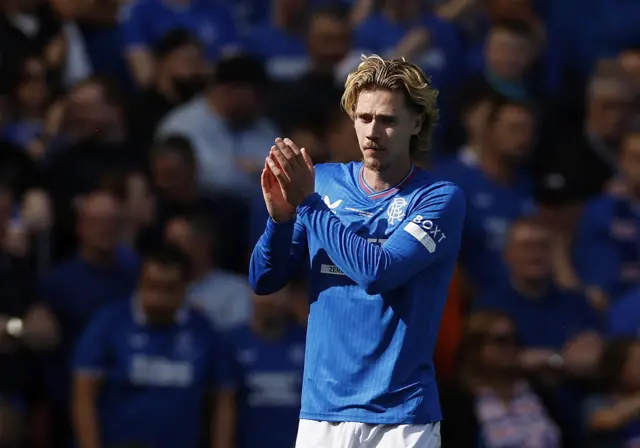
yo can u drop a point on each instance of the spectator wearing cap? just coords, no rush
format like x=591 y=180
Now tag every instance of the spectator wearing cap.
x=227 y=128
x=146 y=22
x=181 y=75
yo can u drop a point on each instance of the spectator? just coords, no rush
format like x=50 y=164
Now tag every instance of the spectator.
x=612 y=418
x=29 y=27
x=146 y=382
x=25 y=325
x=229 y=132
x=223 y=296
x=606 y=253
x=100 y=273
x=30 y=96
x=139 y=204
x=319 y=88
x=181 y=75
x=270 y=356
x=498 y=188
x=146 y=22
x=490 y=402
x=570 y=343
x=280 y=42
x=593 y=147
x=174 y=176
x=510 y=50
x=466 y=140
x=94 y=126
x=404 y=29
x=530 y=297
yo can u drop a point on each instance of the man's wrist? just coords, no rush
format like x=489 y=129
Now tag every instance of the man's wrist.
x=308 y=203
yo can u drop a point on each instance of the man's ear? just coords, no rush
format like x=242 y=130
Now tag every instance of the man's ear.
x=417 y=123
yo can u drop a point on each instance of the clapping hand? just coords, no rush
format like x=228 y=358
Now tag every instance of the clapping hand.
x=293 y=169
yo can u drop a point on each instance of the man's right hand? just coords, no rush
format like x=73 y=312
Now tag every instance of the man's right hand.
x=277 y=206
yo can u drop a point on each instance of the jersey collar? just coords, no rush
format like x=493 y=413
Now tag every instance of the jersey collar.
x=372 y=194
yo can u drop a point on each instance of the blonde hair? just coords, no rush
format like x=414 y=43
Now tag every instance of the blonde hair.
x=396 y=75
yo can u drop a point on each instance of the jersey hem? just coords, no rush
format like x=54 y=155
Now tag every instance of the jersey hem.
x=406 y=420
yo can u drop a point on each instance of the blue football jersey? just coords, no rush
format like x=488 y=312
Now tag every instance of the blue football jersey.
x=380 y=267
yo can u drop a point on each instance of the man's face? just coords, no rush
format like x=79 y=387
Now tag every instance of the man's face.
x=384 y=126
x=88 y=112
x=170 y=172
x=329 y=40
x=608 y=108
x=242 y=103
x=511 y=133
x=630 y=160
x=528 y=252
x=100 y=222
x=186 y=67
x=508 y=54
x=162 y=289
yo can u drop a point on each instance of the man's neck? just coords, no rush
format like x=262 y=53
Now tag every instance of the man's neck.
x=200 y=271
x=165 y=88
x=96 y=257
x=533 y=289
x=388 y=177
x=496 y=168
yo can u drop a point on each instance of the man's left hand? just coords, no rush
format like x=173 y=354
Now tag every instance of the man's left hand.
x=294 y=170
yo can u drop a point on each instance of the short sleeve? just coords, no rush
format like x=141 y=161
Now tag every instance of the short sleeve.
x=91 y=352
x=132 y=21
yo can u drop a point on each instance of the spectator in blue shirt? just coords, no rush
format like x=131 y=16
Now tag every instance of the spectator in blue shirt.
x=146 y=22
x=404 y=29
x=280 y=42
x=270 y=356
x=143 y=367
x=569 y=344
x=101 y=273
x=498 y=190
x=607 y=249
x=509 y=50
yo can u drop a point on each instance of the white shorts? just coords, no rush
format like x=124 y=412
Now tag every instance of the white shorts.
x=313 y=434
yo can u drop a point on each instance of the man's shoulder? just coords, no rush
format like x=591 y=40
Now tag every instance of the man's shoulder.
x=185 y=116
x=427 y=186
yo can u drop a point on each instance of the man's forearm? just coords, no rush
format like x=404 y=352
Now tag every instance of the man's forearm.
x=86 y=424
x=270 y=266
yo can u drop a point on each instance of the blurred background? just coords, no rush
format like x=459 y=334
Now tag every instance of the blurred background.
x=127 y=126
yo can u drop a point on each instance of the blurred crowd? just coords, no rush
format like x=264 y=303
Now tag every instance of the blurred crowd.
x=132 y=137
